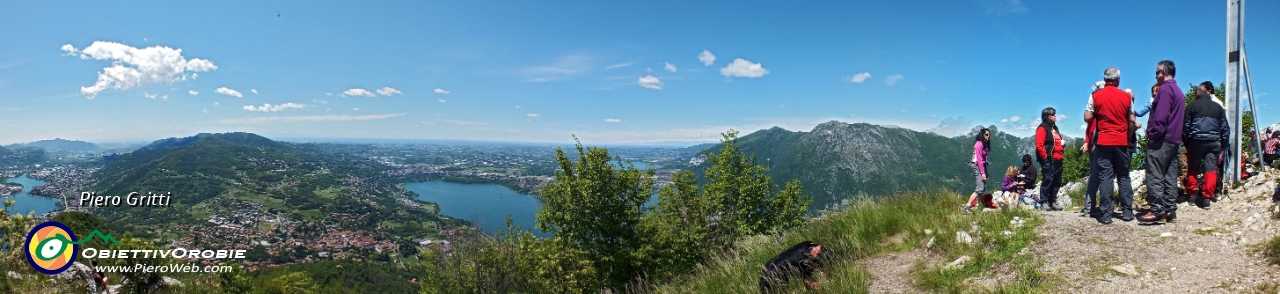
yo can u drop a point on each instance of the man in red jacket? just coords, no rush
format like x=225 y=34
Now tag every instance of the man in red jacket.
x=1113 y=110
x=1049 y=153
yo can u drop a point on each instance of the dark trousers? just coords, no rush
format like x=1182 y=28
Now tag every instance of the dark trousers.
x=1052 y=171
x=1091 y=183
x=1162 y=176
x=1113 y=164
x=1202 y=158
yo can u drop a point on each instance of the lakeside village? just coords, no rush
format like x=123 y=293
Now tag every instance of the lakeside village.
x=273 y=239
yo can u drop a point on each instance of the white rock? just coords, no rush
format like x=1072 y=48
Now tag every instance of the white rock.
x=928 y=232
x=171 y=282
x=1007 y=233
x=15 y=275
x=963 y=237
x=1166 y=234
x=932 y=241
x=958 y=263
x=1126 y=269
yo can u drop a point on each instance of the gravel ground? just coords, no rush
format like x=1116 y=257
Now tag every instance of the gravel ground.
x=1204 y=251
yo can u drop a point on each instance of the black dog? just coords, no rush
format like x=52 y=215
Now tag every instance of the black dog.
x=801 y=259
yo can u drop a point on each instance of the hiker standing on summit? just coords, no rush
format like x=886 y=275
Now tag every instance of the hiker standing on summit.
x=981 y=146
x=1164 y=134
x=1205 y=130
x=1049 y=153
x=1113 y=114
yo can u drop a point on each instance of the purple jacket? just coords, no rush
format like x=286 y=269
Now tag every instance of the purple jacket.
x=1008 y=185
x=1165 y=120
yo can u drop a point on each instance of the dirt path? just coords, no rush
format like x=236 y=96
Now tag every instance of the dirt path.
x=1204 y=251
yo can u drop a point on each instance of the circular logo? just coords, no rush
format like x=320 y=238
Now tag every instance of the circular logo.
x=51 y=248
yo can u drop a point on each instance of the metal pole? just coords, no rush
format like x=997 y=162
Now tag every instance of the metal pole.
x=1248 y=82
x=1233 y=90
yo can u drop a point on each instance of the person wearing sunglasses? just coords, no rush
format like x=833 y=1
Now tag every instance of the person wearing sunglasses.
x=1164 y=134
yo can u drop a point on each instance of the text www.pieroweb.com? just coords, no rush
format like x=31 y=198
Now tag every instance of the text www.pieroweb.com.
x=171 y=268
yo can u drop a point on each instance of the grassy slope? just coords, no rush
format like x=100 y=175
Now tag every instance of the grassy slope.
x=861 y=232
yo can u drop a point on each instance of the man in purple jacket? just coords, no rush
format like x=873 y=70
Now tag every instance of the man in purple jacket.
x=1164 y=134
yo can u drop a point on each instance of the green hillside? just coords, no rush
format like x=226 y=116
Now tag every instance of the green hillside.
x=279 y=190
x=837 y=160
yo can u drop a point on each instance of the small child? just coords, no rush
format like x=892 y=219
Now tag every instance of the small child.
x=1010 y=183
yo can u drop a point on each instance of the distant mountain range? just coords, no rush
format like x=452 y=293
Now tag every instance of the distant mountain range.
x=838 y=160
x=60 y=145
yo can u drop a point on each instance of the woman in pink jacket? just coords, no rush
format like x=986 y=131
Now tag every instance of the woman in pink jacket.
x=981 y=146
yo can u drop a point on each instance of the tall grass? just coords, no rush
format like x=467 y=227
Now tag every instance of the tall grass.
x=863 y=231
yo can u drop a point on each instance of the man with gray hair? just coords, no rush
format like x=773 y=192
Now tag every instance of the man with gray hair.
x=1112 y=115
x=1164 y=134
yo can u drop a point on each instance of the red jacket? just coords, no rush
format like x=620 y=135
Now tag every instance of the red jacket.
x=1041 y=140
x=1111 y=109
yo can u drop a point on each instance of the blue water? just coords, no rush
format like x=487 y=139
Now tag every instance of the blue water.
x=27 y=202
x=484 y=205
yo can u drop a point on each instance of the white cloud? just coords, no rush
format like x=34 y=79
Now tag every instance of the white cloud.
x=388 y=91
x=933 y=115
x=532 y=115
x=274 y=108
x=1015 y=118
x=441 y=100
x=650 y=82
x=613 y=120
x=517 y=106
x=319 y=101
x=620 y=65
x=70 y=50
x=132 y=67
x=1062 y=117
x=893 y=79
x=1084 y=126
x=1004 y=120
x=357 y=92
x=669 y=67
x=999 y=7
x=193 y=92
x=215 y=103
x=707 y=58
x=565 y=67
x=255 y=91
x=228 y=92
x=151 y=96
x=309 y=118
x=441 y=91
x=165 y=97
x=859 y=78
x=206 y=110
x=328 y=94
x=194 y=75
x=952 y=127
x=355 y=109
x=743 y=68
x=902 y=110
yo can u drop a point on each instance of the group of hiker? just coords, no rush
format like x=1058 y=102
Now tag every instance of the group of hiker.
x=1110 y=141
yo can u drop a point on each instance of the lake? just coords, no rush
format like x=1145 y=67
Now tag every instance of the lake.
x=484 y=205
x=27 y=202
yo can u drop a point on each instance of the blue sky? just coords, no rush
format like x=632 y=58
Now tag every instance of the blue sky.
x=541 y=71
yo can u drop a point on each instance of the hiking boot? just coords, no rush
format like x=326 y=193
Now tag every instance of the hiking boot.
x=1128 y=217
x=1171 y=217
x=968 y=209
x=1204 y=203
x=1106 y=221
x=1151 y=217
